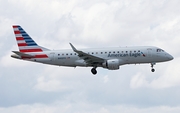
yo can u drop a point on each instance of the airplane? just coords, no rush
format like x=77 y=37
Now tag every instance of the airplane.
x=109 y=58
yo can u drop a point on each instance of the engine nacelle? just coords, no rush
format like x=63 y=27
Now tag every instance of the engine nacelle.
x=112 y=64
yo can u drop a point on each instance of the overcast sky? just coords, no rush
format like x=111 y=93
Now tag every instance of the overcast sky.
x=27 y=87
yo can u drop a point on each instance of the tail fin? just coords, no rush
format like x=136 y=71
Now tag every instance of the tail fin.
x=25 y=42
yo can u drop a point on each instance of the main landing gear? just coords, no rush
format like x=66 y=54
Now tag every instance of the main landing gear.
x=152 y=64
x=93 y=70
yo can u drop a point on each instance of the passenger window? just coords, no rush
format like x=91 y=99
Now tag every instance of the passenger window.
x=109 y=52
x=105 y=52
x=92 y=53
x=74 y=53
x=96 y=52
x=114 y=52
x=101 y=52
x=118 y=52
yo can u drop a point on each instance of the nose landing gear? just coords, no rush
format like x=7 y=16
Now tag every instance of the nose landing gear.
x=152 y=70
x=152 y=64
x=94 y=71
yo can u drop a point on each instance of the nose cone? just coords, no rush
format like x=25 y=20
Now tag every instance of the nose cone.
x=170 y=57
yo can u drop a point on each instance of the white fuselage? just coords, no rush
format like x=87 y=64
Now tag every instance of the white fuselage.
x=125 y=55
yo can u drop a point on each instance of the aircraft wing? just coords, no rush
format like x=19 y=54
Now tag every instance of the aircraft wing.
x=90 y=59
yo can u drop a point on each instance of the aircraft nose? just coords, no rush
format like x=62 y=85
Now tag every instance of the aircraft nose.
x=170 y=57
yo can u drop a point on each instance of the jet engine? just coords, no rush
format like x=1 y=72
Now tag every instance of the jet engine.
x=112 y=64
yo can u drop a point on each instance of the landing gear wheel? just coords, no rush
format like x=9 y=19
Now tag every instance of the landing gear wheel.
x=93 y=70
x=152 y=70
x=152 y=65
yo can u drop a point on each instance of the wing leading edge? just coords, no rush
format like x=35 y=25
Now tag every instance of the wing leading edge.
x=89 y=59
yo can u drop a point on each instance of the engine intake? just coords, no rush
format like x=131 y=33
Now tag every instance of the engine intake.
x=112 y=64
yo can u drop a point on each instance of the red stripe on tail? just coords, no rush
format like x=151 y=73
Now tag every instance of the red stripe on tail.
x=17 y=32
x=22 y=44
x=19 y=38
x=36 y=56
x=31 y=50
x=15 y=26
x=41 y=56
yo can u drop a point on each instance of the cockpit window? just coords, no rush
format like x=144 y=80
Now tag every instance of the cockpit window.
x=160 y=50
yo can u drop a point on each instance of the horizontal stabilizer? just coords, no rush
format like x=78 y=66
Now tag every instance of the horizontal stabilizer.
x=22 y=54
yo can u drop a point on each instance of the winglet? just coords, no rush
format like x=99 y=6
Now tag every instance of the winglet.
x=74 y=49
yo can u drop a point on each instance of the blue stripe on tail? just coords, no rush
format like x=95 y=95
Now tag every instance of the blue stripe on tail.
x=27 y=38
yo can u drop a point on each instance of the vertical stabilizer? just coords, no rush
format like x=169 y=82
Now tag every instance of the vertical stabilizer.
x=25 y=42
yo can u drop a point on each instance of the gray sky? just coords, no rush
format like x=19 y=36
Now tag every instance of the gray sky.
x=37 y=88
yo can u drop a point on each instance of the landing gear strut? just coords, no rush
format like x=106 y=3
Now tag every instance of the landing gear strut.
x=94 y=71
x=152 y=64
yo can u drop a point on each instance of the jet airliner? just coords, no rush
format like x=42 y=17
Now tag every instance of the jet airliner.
x=109 y=58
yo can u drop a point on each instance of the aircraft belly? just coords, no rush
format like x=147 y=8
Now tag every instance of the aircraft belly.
x=137 y=60
x=65 y=62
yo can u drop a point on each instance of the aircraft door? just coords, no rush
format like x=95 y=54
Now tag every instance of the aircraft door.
x=149 y=52
x=52 y=56
x=158 y=54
